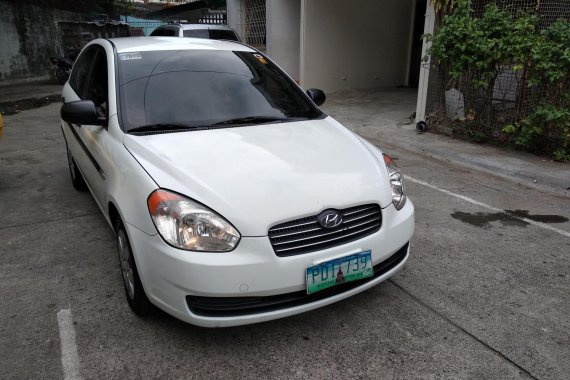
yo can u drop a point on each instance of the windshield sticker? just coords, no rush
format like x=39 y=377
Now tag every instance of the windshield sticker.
x=129 y=56
x=261 y=59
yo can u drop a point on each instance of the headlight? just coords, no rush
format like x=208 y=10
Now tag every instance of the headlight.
x=396 y=181
x=186 y=224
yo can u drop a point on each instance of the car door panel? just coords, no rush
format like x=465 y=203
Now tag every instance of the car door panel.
x=88 y=142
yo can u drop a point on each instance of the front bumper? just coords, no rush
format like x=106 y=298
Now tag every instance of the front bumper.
x=252 y=270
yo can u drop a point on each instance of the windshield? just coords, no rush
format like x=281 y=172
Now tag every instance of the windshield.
x=203 y=88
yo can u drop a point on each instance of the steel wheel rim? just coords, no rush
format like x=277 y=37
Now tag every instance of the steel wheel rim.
x=125 y=260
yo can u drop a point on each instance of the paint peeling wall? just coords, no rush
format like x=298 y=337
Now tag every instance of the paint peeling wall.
x=29 y=36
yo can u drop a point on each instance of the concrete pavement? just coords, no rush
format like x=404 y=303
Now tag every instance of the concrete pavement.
x=384 y=115
x=17 y=98
x=484 y=295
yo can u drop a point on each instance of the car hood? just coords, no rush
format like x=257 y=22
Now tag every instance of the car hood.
x=259 y=176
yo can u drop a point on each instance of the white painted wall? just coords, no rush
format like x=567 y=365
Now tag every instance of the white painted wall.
x=283 y=20
x=234 y=13
x=354 y=44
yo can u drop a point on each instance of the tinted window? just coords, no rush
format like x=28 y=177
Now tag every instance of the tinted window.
x=79 y=78
x=217 y=34
x=157 y=32
x=171 y=32
x=198 y=87
x=197 y=33
x=97 y=90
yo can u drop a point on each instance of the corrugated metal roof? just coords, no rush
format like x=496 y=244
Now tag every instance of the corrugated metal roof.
x=183 y=8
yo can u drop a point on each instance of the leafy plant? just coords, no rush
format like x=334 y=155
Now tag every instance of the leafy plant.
x=475 y=51
x=547 y=126
x=442 y=8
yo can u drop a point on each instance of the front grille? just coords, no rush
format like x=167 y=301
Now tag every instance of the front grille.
x=306 y=235
x=236 y=306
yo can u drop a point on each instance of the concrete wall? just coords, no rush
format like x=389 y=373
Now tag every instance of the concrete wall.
x=355 y=44
x=284 y=34
x=423 y=85
x=234 y=13
x=29 y=36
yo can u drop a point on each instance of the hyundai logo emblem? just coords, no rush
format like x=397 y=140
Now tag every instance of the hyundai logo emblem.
x=329 y=219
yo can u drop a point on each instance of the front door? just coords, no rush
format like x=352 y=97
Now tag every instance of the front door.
x=88 y=143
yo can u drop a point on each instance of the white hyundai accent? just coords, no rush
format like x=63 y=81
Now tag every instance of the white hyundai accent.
x=234 y=199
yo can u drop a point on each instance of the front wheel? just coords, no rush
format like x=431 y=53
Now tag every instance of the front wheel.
x=136 y=297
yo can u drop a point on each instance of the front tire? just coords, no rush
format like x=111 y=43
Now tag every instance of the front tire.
x=136 y=297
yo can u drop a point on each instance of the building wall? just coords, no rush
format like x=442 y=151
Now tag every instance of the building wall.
x=29 y=36
x=234 y=15
x=356 y=44
x=284 y=33
x=423 y=85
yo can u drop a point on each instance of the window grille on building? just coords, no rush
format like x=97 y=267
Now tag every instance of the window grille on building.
x=209 y=17
x=252 y=26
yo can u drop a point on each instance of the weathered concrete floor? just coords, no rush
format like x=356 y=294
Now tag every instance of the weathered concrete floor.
x=481 y=297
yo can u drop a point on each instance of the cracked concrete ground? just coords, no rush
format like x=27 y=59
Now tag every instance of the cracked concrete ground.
x=475 y=300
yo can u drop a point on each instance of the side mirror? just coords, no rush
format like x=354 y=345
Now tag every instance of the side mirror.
x=82 y=112
x=318 y=96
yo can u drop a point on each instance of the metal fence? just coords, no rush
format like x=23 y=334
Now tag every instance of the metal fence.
x=143 y=28
x=457 y=107
x=547 y=10
x=252 y=27
x=213 y=18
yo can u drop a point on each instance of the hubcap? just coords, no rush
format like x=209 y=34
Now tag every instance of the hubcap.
x=125 y=259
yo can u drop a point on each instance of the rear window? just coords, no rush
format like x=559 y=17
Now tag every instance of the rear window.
x=197 y=33
x=212 y=34
x=217 y=34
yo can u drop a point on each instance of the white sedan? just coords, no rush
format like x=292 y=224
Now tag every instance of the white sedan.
x=233 y=197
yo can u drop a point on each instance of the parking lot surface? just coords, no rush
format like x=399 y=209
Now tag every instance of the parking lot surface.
x=485 y=294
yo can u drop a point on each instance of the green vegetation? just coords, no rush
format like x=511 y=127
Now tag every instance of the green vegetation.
x=474 y=51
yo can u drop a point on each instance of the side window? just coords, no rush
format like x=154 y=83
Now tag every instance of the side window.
x=157 y=32
x=170 y=32
x=97 y=90
x=79 y=78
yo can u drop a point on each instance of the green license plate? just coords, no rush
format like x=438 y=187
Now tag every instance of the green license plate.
x=345 y=269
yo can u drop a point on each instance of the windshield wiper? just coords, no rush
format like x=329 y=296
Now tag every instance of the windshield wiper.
x=250 y=120
x=166 y=127
x=257 y=120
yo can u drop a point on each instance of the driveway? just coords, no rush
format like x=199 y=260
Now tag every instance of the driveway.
x=485 y=294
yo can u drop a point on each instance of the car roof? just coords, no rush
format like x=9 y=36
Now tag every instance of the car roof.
x=204 y=26
x=134 y=44
x=197 y=26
